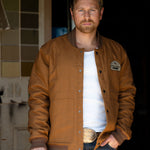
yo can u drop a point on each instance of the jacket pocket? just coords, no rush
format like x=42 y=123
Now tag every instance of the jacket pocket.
x=62 y=122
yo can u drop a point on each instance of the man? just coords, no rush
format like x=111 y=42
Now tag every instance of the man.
x=81 y=88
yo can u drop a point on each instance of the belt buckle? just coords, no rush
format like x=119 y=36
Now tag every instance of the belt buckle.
x=89 y=135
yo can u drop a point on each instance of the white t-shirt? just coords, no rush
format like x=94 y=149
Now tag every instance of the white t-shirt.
x=94 y=116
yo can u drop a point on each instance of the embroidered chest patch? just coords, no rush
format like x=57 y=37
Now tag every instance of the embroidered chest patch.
x=115 y=66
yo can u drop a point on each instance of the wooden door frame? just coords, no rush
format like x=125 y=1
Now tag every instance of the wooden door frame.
x=45 y=21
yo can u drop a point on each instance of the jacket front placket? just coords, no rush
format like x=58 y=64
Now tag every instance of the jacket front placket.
x=79 y=54
x=102 y=75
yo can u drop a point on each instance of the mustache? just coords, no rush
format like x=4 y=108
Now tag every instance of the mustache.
x=85 y=21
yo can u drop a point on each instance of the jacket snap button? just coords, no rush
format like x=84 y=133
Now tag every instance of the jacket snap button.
x=96 y=53
x=104 y=91
x=100 y=71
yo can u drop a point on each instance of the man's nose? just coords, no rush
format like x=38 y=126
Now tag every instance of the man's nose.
x=87 y=14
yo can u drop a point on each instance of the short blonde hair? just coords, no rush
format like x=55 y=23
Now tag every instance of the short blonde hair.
x=72 y=2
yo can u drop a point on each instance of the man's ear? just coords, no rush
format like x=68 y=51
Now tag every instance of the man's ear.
x=101 y=13
x=71 y=12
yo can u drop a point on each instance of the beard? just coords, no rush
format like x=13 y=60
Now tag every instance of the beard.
x=86 y=28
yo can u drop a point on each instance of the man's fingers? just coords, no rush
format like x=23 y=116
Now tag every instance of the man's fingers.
x=111 y=141
x=105 y=142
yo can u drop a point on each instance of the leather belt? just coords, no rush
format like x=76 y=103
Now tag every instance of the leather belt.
x=89 y=135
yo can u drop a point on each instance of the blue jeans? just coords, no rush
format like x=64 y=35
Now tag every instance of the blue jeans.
x=90 y=146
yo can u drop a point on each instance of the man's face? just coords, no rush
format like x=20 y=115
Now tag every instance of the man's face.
x=87 y=15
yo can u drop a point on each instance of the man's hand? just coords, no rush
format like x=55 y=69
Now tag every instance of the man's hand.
x=40 y=148
x=111 y=141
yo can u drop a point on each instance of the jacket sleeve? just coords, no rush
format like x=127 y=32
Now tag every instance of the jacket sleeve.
x=38 y=123
x=126 y=101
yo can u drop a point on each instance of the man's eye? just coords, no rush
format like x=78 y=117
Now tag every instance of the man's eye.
x=80 y=10
x=92 y=10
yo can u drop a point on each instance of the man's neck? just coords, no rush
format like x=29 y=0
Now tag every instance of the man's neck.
x=87 y=41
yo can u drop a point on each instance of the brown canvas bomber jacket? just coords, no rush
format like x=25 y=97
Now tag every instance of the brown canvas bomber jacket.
x=56 y=93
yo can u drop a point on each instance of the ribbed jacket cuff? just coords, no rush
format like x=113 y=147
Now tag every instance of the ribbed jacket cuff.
x=119 y=136
x=39 y=142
